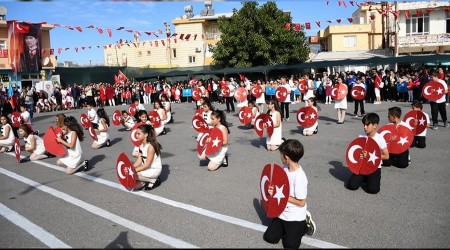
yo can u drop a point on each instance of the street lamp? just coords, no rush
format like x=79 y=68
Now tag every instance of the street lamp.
x=168 y=43
x=90 y=62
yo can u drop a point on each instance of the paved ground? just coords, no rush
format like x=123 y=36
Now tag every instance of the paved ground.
x=42 y=207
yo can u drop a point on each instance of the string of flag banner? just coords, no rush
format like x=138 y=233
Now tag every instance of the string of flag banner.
x=384 y=12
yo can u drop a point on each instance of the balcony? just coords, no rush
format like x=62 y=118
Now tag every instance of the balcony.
x=212 y=36
x=423 y=40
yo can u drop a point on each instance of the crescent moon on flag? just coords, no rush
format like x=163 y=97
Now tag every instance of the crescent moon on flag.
x=385 y=132
x=91 y=131
x=351 y=152
x=202 y=139
x=240 y=113
x=333 y=92
x=115 y=116
x=278 y=92
x=408 y=122
x=425 y=90
x=133 y=135
x=195 y=124
x=353 y=92
x=257 y=122
x=17 y=147
x=18 y=27
x=119 y=170
x=300 y=117
x=263 y=183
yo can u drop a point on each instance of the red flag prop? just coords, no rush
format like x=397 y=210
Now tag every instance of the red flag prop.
x=100 y=30
x=267 y=123
x=350 y=20
x=358 y=93
x=416 y=120
x=256 y=90
x=51 y=145
x=21 y=27
x=281 y=94
x=419 y=12
x=136 y=142
x=370 y=163
x=132 y=109
x=398 y=137
x=245 y=115
x=187 y=37
x=338 y=20
x=117 y=118
x=84 y=121
x=240 y=94
x=433 y=91
x=79 y=28
x=126 y=172
x=274 y=177
x=199 y=124
x=306 y=116
x=297 y=27
x=122 y=76
x=407 y=14
x=287 y=26
x=17 y=148
x=339 y=91
x=308 y=26
x=109 y=32
x=154 y=118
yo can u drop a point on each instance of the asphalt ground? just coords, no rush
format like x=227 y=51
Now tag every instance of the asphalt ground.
x=43 y=207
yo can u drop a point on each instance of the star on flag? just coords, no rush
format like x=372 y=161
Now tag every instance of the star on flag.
x=403 y=140
x=373 y=157
x=130 y=172
x=216 y=142
x=279 y=193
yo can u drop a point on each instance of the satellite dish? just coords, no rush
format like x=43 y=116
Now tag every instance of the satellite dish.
x=2 y=11
x=45 y=61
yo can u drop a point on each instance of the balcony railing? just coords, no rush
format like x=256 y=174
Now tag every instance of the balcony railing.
x=212 y=36
x=422 y=40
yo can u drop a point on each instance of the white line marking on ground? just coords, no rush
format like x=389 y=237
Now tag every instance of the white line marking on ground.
x=229 y=219
x=36 y=231
x=171 y=241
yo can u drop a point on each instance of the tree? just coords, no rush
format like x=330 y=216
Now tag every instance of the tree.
x=256 y=36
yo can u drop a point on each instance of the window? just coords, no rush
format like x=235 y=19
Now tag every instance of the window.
x=139 y=53
x=174 y=53
x=149 y=53
x=418 y=25
x=2 y=44
x=349 y=41
x=191 y=59
x=109 y=59
x=447 y=19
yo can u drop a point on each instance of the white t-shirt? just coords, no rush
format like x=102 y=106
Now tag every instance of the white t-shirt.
x=298 y=188
x=26 y=115
x=93 y=113
x=288 y=89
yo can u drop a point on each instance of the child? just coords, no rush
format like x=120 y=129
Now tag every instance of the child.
x=274 y=141
x=33 y=144
x=143 y=117
x=148 y=164
x=295 y=220
x=60 y=120
x=311 y=102
x=207 y=111
x=103 y=136
x=359 y=82
x=127 y=121
x=158 y=107
x=7 y=135
x=328 y=89
x=341 y=105
x=398 y=160
x=92 y=116
x=139 y=106
x=419 y=140
x=219 y=158
x=74 y=135
x=255 y=113
x=370 y=122
x=167 y=107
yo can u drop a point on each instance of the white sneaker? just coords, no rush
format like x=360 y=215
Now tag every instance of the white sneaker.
x=310 y=225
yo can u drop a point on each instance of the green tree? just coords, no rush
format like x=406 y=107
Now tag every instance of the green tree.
x=256 y=36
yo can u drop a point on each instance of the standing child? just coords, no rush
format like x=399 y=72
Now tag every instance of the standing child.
x=360 y=103
x=295 y=221
x=328 y=89
x=219 y=158
x=420 y=139
x=102 y=131
x=311 y=102
x=7 y=135
x=398 y=160
x=148 y=164
x=33 y=144
x=372 y=180
x=341 y=105
x=74 y=135
x=127 y=121
x=274 y=141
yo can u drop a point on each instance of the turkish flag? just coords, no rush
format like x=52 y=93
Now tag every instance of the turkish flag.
x=338 y=20
x=297 y=27
x=162 y=42
x=122 y=76
x=407 y=14
x=187 y=37
x=350 y=20
x=79 y=28
x=109 y=32
x=52 y=51
x=21 y=28
x=274 y=176
x=419 y=12
x=308 y=26
x=42 y=52
x=287 y=26
x=100 y=30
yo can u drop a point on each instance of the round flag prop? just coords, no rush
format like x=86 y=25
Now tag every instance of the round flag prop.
x=256 y=90
x=274 y=176
x=154 y=118
x=433 y=91
x=302 y=86
x=225 y=92
x=51 y=145
x=136 y=142
x=339 y=92
x=240 y=94
x=416 y=120
x=398 y=137
x=16 y=119
x=84 y=121
x=132 y=109
x=17 y=148
x=126 y=172
x=245 y=115
x=199 y=124
x=306 y=116
x=198 y=111
x=261 y=121
x=367 y=165
x=281 y=94
x=117 y=118
x=92 y=133
x=201 y=144
x=216 y=141
x=358 y=93
x=196 y=94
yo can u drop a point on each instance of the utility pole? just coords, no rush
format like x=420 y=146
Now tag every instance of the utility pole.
x=169 y=53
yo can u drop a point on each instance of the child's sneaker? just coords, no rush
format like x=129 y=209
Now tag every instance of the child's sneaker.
x=310 y=225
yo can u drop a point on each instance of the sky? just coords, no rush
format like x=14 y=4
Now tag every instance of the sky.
x=143 y=16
